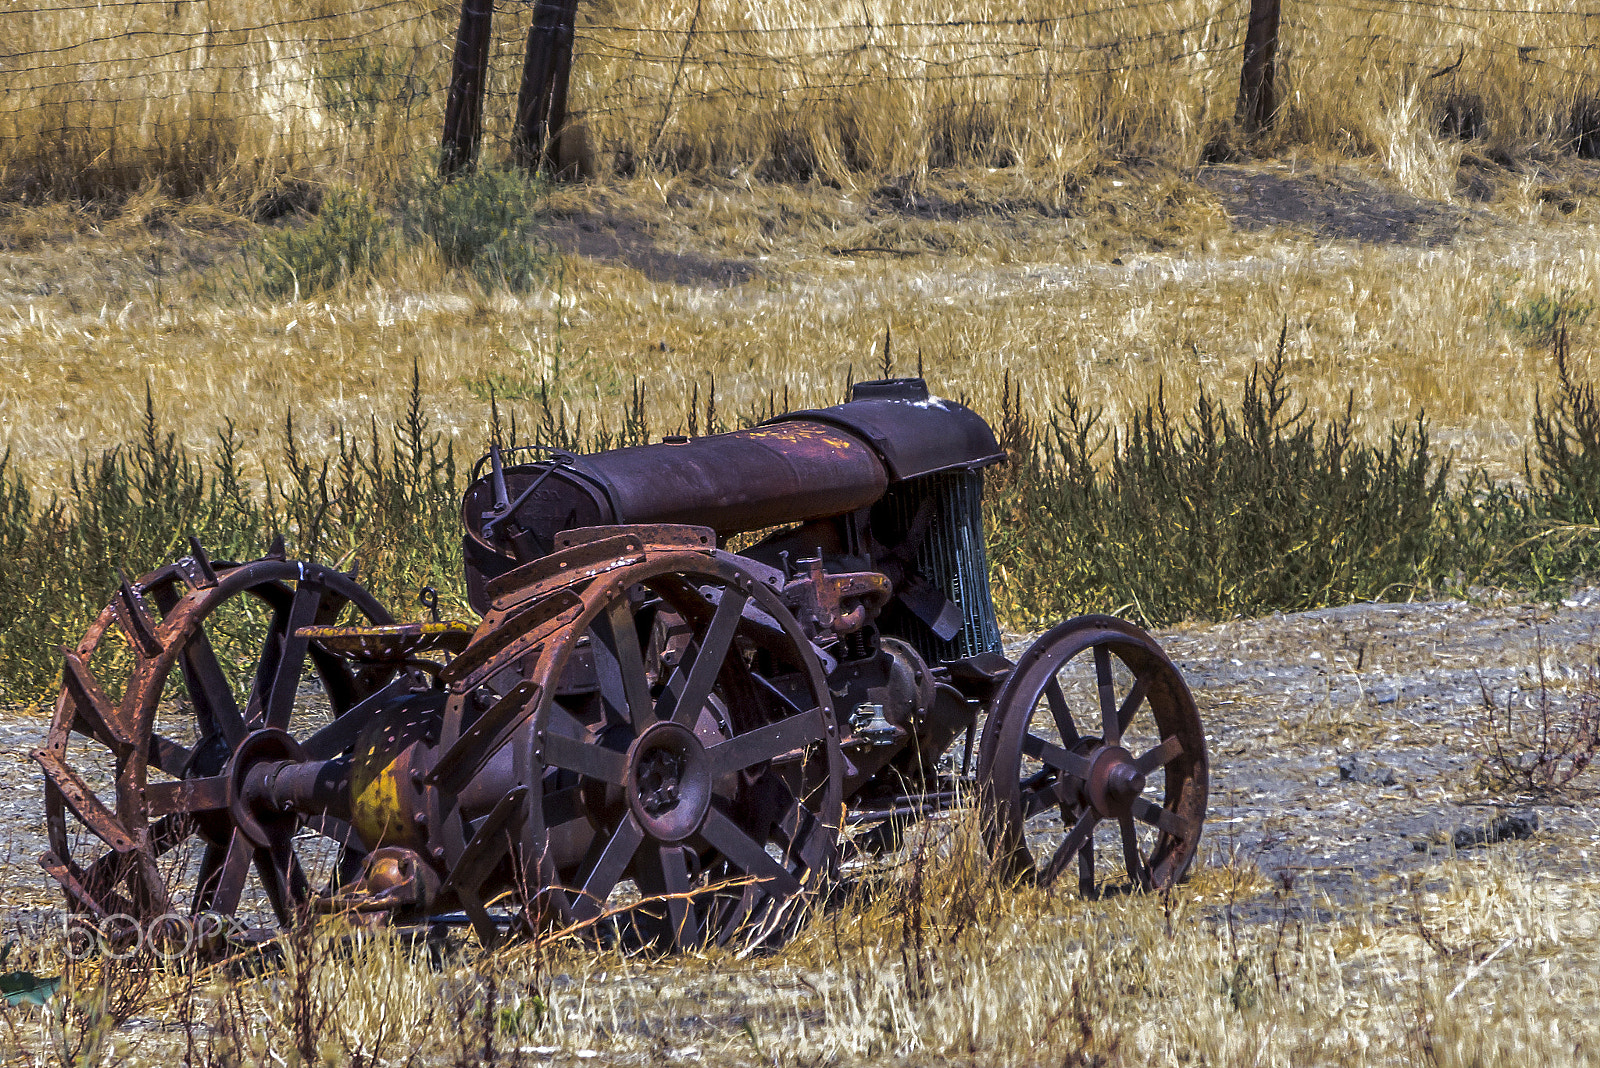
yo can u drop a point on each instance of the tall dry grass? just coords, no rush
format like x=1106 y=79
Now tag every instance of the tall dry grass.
x=245 y=98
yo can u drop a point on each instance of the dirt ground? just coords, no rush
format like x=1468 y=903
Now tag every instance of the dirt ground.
x=1392 y=692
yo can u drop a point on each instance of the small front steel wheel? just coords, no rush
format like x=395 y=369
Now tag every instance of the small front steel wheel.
x=1094 y=726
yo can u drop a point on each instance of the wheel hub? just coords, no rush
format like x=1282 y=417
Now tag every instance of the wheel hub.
x=659 y=775
x=1115 y=782
x=669 y=782
x=264 y=747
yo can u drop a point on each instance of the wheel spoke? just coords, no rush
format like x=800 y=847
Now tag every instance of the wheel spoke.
x=747 y=854
x=563 y=807
x=187 y=795
x=765 y=743
x=737 y=911
x=209 y=690
x=709 y=654
x=774 y=809
x=1157 y=816
x=1070 y=845
x=1086 y=869
x=1130 y=705
x=1039 y=799
x=619 y=662
x=1138 y=870
x=168 y=755
x=278 y=703
x=1169 y=750
x=587 y=759
x=680 y=908
x=335 y=737
x=608 y=868
x=1110 y=720
x=96 y=716
x=222 y=873
x=101 y=878
x=1060 y=712
x=282 y=878
x=1055 y=756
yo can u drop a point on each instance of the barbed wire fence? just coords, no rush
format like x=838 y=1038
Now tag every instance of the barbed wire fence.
x=116 y=93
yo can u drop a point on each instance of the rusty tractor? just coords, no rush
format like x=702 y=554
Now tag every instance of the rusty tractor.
x=649 y=736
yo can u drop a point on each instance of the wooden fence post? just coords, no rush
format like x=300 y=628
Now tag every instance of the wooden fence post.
x=469 y=77
x=1257 y=101
x=542 y=100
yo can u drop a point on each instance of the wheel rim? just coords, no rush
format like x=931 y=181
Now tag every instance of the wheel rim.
x=1096 y=724
x=138 y=777
x=666 y=768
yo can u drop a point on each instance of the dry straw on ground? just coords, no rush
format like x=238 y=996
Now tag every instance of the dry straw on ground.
x=1007 y=190
x=1005 y=290
x=1469 y=963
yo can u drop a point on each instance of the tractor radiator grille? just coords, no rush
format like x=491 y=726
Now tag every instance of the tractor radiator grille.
x=951 y=556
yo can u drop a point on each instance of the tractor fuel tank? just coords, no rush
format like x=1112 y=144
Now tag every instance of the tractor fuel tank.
x=745 y=480
x=797 y=468
x=763 y=477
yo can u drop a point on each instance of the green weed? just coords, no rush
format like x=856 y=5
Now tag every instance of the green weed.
x=484 y=223
x=346 y=239
x=355 y=82
x=1537 y=321
x=1221 y=513
x=1228 y=510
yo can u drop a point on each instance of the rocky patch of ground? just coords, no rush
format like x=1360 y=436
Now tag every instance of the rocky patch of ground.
x=1343 y=745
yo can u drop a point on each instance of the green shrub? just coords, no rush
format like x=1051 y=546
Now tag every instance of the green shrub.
x=1225 y=511
x=1220 y=514
x=1538 y=320
x=484 y=223
x=1560 y=514
x=345 y=239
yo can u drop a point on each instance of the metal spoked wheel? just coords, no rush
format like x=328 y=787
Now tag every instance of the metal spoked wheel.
x=1094 y=727
x=141 y=778
x=685 y=774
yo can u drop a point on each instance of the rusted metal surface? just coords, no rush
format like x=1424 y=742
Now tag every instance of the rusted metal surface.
x=169 y=792
x=643 y=725
x=913 y=432
x=1039 y=756
x=837 y=602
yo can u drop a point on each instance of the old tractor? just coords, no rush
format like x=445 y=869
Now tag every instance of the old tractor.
x=648 y=733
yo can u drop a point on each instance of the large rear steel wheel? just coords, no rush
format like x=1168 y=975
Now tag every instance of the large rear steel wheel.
x=683 y=772
x=192 y=675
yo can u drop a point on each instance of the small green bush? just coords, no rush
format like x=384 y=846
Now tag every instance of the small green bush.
x=484 y=223
x=1537 y=321
x=346 y=239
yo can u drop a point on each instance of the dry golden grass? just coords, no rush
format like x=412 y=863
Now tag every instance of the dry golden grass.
x=1038 y=254
x=1467 y=963
x=87 y=322
x=245 y=98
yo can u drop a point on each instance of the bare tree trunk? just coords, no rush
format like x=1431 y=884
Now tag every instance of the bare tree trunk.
x=542 y=100
x=469 y=77
x=1257 y=99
